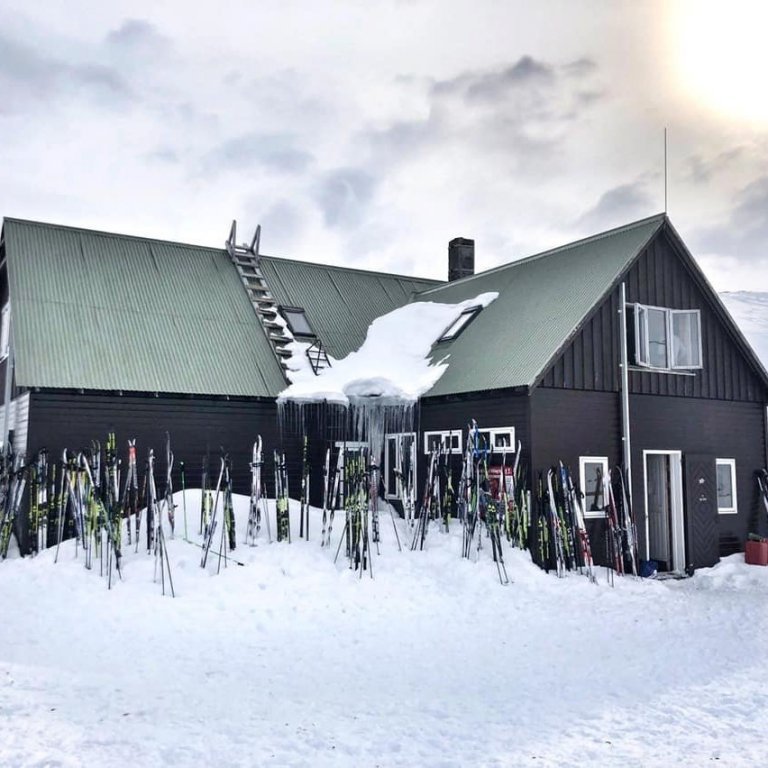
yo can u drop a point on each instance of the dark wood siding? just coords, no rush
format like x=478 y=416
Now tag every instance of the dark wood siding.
x=500 y=409
x=591 y=360
x=568 y=424
x=196 y=426
x=728 y=430
x=660 y=276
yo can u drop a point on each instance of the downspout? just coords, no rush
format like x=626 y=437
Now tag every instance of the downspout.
x=9 y=370
x=625 y=430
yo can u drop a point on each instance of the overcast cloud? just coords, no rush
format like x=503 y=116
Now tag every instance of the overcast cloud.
x=369 y=134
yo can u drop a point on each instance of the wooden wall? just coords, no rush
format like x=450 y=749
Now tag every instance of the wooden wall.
x=196 y=426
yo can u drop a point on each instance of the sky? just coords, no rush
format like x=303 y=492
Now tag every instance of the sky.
x=369 y=133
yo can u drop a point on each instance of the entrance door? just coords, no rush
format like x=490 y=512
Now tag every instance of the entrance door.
x=665 y=537
x=701 y=505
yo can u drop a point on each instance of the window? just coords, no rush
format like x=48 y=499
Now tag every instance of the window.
x=593 y=471
x=399 y=463
x=459 y=324
x=5 y=331
x=449 y=440
x=667 y=339
x=497 y=439
x=297 y=321
x=726 y=486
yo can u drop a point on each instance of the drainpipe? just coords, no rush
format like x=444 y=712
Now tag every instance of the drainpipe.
x=625 y=431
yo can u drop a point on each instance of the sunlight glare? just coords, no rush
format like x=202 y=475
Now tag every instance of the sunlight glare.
x=724 y=55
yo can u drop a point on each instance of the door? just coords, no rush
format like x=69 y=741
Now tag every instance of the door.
x=703 y=548
x=665 y=533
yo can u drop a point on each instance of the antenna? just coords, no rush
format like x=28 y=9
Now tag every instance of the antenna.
x=665 y=169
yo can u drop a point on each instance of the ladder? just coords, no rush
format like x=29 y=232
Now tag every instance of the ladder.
x=245 y=257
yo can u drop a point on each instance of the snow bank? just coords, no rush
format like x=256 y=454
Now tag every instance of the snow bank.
x=292 y=661
x=391 y=365
x=750 y=311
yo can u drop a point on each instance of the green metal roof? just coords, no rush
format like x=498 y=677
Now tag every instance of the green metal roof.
x=542 y=301
x=94 y=310
x=340 y=303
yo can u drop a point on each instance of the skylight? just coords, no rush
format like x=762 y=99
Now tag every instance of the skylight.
x=459 y=324
x=297 y=321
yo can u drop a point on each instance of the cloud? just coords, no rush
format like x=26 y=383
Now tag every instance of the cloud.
x=492 y=85
x=745 y=234
x=343 y=195
x=701 y=170
x=134 y=34
x=582 y=67
x=32 y=76
x=521 y=111
x=282 y=224
x=619 y=205
x=275 y=152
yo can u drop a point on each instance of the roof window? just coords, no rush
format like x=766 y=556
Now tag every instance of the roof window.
x=459 y=324
x=297 y=321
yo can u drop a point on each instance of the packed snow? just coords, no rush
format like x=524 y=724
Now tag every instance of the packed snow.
x=292 y=660
x=393 y=362
x=750 y=311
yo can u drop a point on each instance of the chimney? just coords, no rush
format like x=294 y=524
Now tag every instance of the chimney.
x=461 y=258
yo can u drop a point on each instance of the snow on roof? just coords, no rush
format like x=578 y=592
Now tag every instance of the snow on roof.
x=393 y=363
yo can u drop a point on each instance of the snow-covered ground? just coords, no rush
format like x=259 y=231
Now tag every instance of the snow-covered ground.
x=750 y=311
x=292 y=661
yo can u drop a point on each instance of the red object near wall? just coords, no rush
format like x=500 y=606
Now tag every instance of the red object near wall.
x=756 y=553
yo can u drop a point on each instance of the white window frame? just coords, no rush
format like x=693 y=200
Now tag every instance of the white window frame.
x=492 y=432
x=398 y=449
x=583 y=460
x=445 y=435
x=734 y=510
x=5 y=331
x=457 y=327
x=642 y=339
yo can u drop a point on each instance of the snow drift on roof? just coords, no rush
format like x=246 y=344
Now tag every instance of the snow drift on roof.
x=392 y=363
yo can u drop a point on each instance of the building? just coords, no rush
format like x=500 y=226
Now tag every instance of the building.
x=611 y=350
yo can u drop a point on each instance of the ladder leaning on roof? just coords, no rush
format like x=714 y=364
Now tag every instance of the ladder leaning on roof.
x=246 y=260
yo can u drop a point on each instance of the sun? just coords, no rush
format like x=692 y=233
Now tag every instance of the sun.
x=723 y=55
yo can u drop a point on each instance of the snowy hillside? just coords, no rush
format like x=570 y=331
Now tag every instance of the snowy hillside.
x=750 y=311
x=290 y=660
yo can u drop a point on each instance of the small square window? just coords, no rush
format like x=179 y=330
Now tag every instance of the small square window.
x=297 y=321
x=459 y=324
x=726 y=486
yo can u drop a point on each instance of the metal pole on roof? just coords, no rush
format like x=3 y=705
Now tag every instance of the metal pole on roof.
x=8 y=381
x=625 y=429
x=665 y=169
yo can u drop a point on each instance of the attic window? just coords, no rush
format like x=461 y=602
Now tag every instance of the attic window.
x=667 y=339
x=297 y=321
x=459 y=324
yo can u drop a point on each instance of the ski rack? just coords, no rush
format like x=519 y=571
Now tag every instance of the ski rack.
x=246 y=259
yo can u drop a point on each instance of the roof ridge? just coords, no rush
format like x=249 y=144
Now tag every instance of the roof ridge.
x=124 y=236
x=342 y=268
x=552 y=251
x=104 y=233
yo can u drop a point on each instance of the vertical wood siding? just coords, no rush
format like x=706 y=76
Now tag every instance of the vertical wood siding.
x=659 y=277
x=726 y=430
x=568 y=424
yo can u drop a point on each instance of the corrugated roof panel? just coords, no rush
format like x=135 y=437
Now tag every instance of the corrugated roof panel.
x=340 y=303
x=542 y=300
x=98 y=311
